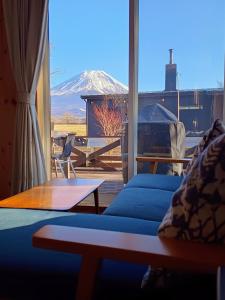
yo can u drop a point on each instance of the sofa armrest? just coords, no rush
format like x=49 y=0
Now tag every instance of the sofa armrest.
x=156 y=160
x=95 y=245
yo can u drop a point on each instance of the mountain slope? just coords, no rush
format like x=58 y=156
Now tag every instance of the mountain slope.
x=66 y=96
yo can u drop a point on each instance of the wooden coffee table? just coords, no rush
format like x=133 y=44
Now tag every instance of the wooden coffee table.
x=57 y=194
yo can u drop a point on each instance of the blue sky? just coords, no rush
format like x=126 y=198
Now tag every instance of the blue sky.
x=93 y=35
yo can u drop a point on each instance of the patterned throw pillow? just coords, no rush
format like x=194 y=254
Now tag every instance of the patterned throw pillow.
x=197 y=212
x=216 y=130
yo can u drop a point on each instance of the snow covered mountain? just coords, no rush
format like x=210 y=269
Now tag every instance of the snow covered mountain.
x=66 y=96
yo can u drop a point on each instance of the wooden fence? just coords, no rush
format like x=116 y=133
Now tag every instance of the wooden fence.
x=99 y=157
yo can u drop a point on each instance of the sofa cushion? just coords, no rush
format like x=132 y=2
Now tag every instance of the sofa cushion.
x=141 y=203
x=155 y=181
x=31 y=273
x=198 y=207
x=210 y=135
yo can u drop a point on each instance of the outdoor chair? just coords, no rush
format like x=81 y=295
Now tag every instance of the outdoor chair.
x=63 y=160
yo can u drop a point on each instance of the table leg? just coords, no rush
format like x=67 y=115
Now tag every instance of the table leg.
x=96 y=198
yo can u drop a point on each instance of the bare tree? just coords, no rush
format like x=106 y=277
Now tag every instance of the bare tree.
x=109 y=115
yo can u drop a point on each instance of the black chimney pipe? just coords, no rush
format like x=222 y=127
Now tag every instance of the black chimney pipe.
x=171 y=56
x=171 y=74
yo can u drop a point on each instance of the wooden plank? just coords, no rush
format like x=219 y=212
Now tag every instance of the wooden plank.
x=104 y=150
x=74 y=157
x=114 y=164
x=80 y=162
x=104 y=165
x=100 y=164
x=155 y=160
x=108 y=157
x=98 y=137
x=162 y=159
x=92 y=170
x=78 y=152
x=143 y=249
x=80 y=158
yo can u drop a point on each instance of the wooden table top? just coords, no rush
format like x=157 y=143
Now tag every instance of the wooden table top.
x=57 y=194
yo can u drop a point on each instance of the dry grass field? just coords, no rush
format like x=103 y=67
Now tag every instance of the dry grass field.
x=78 y=129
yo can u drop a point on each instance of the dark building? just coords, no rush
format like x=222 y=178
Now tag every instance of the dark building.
x=196 y=108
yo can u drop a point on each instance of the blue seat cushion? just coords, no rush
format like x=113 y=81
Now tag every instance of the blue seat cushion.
x=31 y=273
x=155 y=181
x=141 y=203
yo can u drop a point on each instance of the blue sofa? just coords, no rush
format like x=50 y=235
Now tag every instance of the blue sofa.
x=31 y=273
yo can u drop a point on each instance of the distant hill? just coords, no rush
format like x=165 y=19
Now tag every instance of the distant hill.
x=65 y=97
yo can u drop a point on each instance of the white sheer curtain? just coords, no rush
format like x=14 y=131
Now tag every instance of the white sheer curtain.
x=26 y=23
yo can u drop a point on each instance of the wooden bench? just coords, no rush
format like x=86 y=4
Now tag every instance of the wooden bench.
x=95 y=245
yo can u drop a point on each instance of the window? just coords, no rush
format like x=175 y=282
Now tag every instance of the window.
x=89 y=76
x=181 y=61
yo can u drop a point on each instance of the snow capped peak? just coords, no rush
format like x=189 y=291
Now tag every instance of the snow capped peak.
x=90 y=82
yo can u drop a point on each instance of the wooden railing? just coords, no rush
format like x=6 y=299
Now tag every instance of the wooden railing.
x=102 y=156
x=105 y=157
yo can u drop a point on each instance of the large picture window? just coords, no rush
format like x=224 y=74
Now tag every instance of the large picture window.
x=181 y=74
